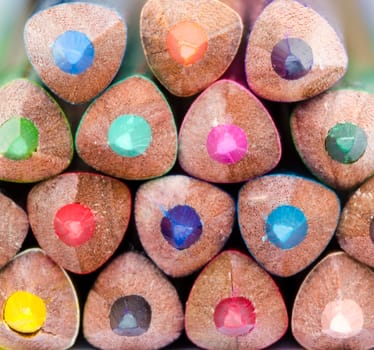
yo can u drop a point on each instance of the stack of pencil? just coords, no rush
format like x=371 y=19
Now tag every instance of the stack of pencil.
x=186 y=174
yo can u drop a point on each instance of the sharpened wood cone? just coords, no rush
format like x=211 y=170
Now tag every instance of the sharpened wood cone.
x=333 y=307
x=234 y=304
x=39 y=303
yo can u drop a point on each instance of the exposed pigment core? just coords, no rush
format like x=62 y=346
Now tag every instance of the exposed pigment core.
x=286 y=227
x=292 y=58
x=129 y=135
x=187 y=42
x=346 y=143
x=74 y=224
x=181 y=226
x=235 y=316
x=73 y=52
x=342 y=319
x=25 y=312
x=130 y=316
x=19 y=138
x=227 y=143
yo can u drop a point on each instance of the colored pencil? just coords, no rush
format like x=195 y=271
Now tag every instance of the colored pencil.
x=334 y=306
x=129 y=131
x=293 y=53
x=132 y=306
x=333 y=135
x=283 y=223
x=182 y=222
x=39 y=304
x=185 y=49
x=79 y=219
x=228 y=136
x=76 y=48
x=35 y=136
x=14 y=226
x=355 y=233
x=234 y=304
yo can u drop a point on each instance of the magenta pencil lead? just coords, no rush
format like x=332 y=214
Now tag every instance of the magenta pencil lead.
x=228 y=136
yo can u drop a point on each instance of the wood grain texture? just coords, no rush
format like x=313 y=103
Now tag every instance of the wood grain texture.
x=226 y=102
x=55 y=149
x=33 y=271
x=138 y=96
x=14 y=226
x=110 y=203
x=354 y=229
x=224 y=30
x=336 y=277
x=234 y=274
x=289 y=19
x=132 y=274
x=214 y=207
x=103 y=26
x=310 y=124
x=257 y=199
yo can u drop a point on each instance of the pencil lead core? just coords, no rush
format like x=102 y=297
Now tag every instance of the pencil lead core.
x=130 y=316
x=73 y=52
x=74 y=224
x=25 y=312
x=19 y=138
x=235 y=316
x=292 y=58
x=286 y=226
x=129 y=135
x=227 y=143
x=342 y=319
x=181 y=226
x=346 y=143
x=187 y=42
